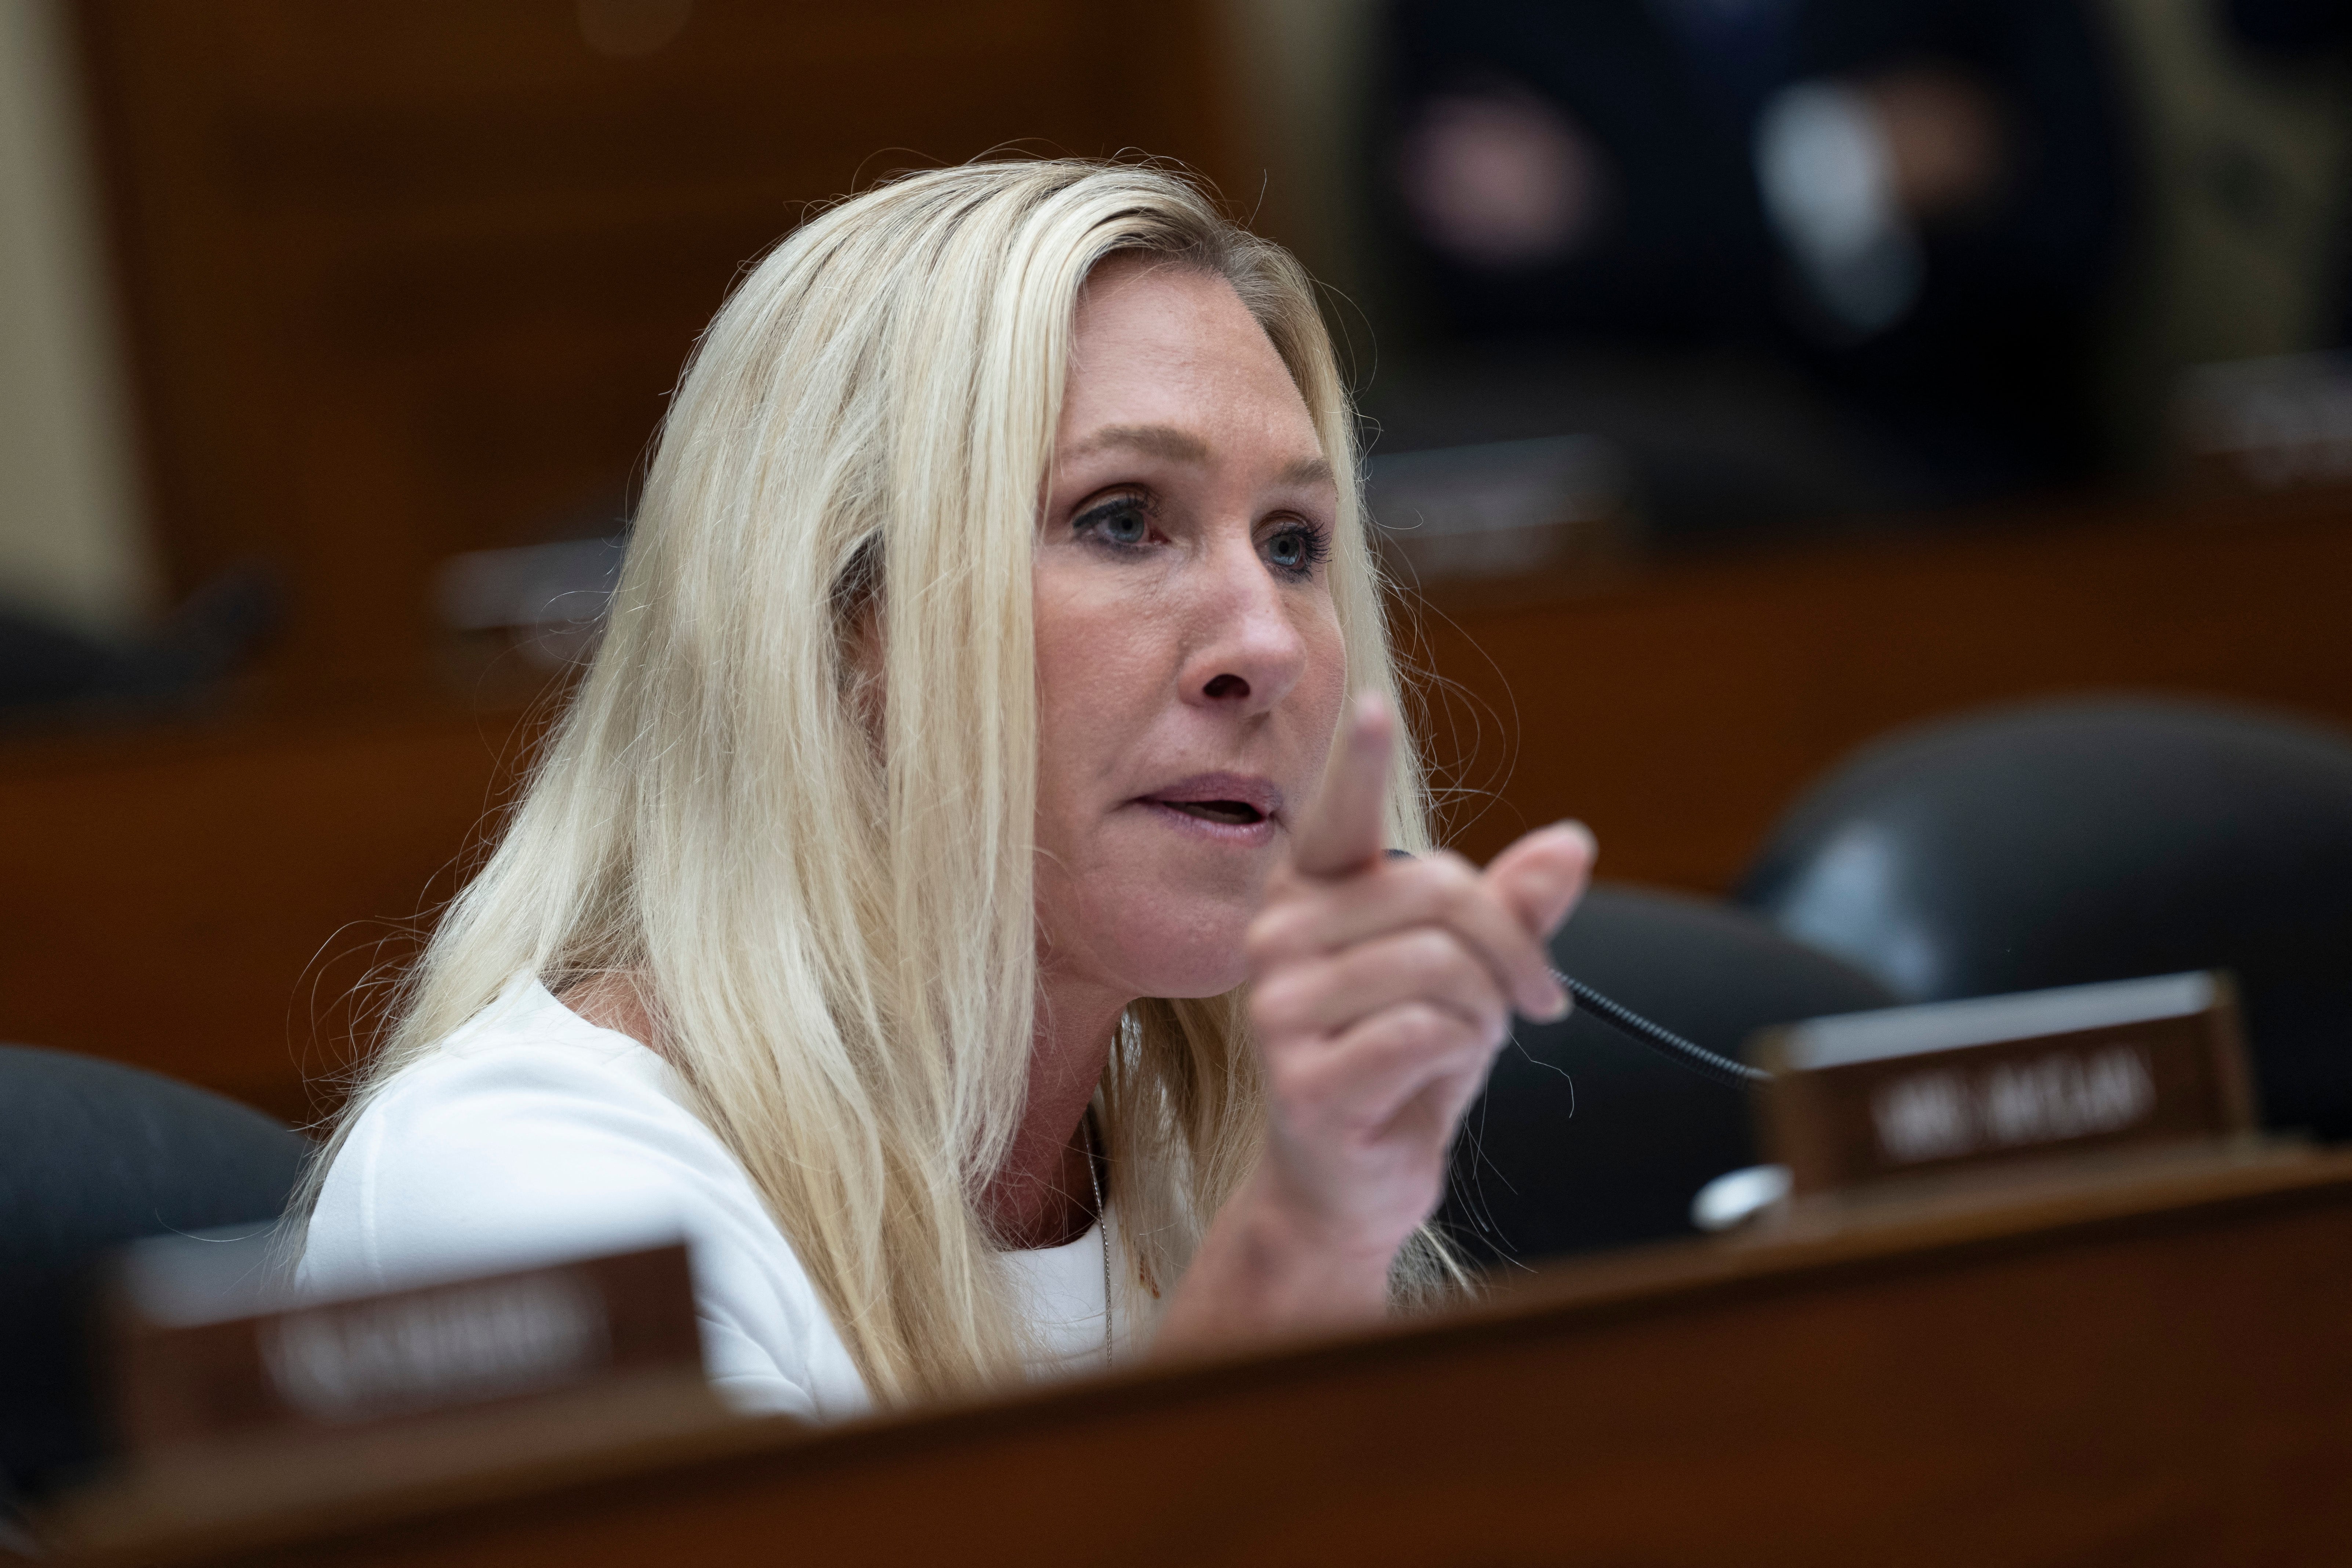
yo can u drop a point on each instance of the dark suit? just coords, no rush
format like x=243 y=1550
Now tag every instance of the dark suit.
x=1985 y=382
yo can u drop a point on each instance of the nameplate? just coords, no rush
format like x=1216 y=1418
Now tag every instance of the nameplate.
x=366 y=1361
x=1866 y=1097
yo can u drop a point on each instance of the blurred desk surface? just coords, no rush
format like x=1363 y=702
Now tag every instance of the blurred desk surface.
x=202 y=899
x=2144 y=1368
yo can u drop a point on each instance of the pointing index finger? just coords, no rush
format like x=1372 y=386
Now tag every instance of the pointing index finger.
x=1348 y=827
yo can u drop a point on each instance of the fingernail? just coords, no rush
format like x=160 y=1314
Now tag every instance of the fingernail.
x=1555 y=1008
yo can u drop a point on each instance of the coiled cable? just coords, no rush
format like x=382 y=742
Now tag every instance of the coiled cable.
x=1662 y=1040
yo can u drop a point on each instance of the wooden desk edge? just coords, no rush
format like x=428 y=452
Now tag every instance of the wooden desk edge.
x=1669 y=1277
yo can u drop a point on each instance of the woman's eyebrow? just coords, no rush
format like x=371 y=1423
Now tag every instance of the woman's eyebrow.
x=1152 y=440
x=1183 y=447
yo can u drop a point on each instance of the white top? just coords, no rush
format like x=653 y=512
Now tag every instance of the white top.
x=530 y=1135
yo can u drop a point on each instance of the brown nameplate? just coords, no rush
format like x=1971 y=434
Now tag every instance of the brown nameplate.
x=1865 y=1097
x=334 y=1365
x=241 y=1411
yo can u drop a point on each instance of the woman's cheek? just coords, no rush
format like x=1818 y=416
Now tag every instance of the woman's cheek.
x=1325 y=685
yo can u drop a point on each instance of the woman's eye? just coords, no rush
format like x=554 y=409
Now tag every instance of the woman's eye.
x=1119 y=522
x=1295 y=551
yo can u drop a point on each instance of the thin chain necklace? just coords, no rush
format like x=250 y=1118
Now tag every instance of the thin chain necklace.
x=1102 y=1221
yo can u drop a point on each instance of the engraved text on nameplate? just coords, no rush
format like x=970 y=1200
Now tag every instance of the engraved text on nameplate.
x=1910 y=1089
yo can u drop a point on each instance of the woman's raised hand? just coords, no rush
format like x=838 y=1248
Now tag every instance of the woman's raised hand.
x=1380 y=989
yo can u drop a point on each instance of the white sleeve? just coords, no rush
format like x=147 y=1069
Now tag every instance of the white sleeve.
x=508 y=1159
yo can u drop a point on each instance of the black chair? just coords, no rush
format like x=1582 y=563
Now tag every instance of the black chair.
x=1585 y=1140
x=94 y=1154
x=2083 y=841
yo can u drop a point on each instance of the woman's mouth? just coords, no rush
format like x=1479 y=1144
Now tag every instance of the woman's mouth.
x=1233 y=813
x=1229 y=808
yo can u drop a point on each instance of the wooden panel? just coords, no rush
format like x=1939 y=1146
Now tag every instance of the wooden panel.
x=1679 y=712
x=204 y=904
x=2148 y=1374
x=187 y=902
x=409 y=279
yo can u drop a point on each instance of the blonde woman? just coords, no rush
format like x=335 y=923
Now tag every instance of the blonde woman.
x=934 y=903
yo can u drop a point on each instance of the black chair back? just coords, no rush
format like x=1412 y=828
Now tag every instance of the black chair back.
x=2075 y=842
x=1585 y=1140
x=93 y=1155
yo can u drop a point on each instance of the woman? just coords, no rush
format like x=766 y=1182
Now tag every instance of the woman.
x=932 y=862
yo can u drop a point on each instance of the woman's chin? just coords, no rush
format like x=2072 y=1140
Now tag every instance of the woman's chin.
x=1171 y=951
x=1153 y=912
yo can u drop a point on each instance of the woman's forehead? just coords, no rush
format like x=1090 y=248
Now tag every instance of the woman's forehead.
x=1168 y=363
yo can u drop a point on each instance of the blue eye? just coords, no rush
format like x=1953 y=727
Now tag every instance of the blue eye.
x=1296 y=550
x=1125 y=522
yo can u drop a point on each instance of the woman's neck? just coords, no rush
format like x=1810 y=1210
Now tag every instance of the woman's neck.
x=1043 y=1194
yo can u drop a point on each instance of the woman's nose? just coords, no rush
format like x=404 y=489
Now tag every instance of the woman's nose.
x=1246 y=651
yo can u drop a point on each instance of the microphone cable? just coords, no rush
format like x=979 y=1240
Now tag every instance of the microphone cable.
x=1655 y=1036
x=1661 y=1040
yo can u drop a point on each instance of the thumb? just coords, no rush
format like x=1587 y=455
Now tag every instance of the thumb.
x=1540 y=877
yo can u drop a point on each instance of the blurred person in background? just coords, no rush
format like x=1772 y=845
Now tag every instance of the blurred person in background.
x=1917 y=203
x=2307 y=35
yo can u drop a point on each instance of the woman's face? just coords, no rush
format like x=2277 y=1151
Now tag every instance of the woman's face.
x=1189 y=673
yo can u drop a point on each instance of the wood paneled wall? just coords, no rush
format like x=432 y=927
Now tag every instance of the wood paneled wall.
x=226 y=902
x=408 y=279
x=203 y=900
x=1680 y=712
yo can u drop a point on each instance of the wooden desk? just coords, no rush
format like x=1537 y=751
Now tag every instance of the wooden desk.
x=201 y=900
x=2143 y=1370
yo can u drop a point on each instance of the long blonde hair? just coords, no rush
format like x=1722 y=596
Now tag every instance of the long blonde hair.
x=826 y=905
